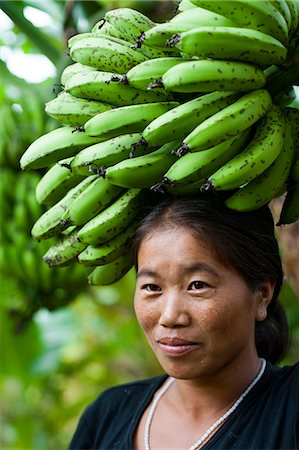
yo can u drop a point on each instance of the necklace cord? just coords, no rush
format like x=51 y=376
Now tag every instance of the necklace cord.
x=215 y=424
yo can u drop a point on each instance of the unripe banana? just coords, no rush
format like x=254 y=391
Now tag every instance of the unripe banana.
x=269 y=184
x=64 y=251
x=106 y=28
x=96 y=86
x=51 y=223
x=114 y=219
x=181 y=120
x=72 y=70
x=254 y=14
x=228 y=122
x=91 y=159
x=187 y=20
x=110 y=250
x=55 y=145
x=104 y=54
x=282 y=7
x=142 y=171
x=141 y=75
x=185 y=5
x=294 y=11
x=260 y=153
x=204 y=75
x=200 y=165
x=129 y=22
x=290 y=207
x=79 y=37
x=75 y=111
x=97 y=196
x=112 y=272
x=231 y=43
x=292 y=115
x=56 y=182
x=126 y=119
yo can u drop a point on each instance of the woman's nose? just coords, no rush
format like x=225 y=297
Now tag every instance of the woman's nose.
x=173 y=311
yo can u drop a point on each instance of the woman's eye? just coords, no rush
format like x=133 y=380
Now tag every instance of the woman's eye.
x=151 y=287
x=195 y=285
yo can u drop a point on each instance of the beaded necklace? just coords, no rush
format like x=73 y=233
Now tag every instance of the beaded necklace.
x=205 y=436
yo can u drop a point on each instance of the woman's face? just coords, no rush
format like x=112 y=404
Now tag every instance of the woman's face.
x=198 y=315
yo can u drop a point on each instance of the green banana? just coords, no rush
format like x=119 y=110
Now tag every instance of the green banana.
x=64 y=251
x=290 y=208
x=55 y=145
x=292 y=115
x=106 y=28
x=96 y=86
x=142 y=171
x=72 y=70
x=78 y=37
x=254 y=14
x=185 y=5
x=231 y=43
x=129 y=22
x=260 y=153
x=228 y=122
x=200 y=165
x=56 y=182
x=50 y=223
x=282 y=7
x=105 y=54
x=181 y=120
x=205 y=75
x=110 y=273
x=115 y=218
x=294 y=11
x=91 y=159
x=75 y=111
x=110 y=250
x=97 y=196
x=147 y=72
x=126 y=119
x=159 y=35
x=269 y=184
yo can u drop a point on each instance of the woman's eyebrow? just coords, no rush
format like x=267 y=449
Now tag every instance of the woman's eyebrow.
x=186 y=270
x=146 y=273
x=199 y=267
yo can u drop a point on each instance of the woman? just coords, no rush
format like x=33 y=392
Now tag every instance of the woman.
x=208 y=279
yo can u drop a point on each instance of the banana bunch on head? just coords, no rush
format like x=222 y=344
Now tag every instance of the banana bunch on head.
x=181 y=106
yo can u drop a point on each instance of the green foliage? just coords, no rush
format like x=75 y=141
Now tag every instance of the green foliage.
x=54 y=364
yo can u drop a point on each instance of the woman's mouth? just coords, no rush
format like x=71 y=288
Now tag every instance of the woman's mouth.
x=176 y=346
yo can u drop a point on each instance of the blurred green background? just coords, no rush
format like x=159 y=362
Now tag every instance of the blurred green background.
x=62 y=342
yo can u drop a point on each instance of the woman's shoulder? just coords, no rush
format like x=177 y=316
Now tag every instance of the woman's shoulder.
x=284 y=377
x=114 y=397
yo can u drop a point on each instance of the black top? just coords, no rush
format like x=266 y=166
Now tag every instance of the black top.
x=268 y=417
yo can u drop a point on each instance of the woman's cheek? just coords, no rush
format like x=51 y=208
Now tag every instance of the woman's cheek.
x=145 y=314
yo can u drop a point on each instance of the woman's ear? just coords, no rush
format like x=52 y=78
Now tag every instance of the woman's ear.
x=264 y=297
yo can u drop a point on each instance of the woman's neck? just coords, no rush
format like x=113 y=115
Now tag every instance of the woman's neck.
x=212 y=395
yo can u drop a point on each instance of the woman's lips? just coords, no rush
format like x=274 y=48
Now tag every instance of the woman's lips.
x=176 y=346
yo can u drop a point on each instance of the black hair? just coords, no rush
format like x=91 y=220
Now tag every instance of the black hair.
x=243 y=241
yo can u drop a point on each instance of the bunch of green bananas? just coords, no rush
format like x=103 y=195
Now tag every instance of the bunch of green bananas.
x=20 y=256
x=180 y=106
